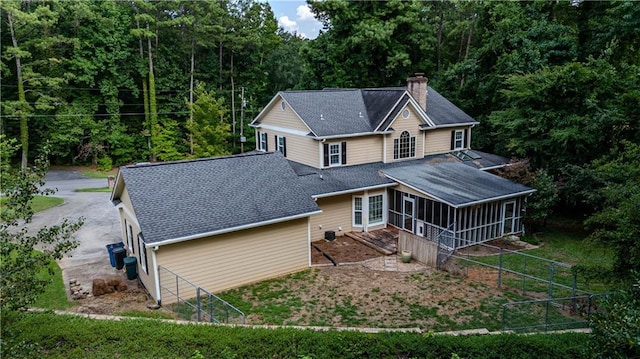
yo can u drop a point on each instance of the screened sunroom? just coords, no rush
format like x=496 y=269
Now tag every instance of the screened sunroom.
x=471 y=206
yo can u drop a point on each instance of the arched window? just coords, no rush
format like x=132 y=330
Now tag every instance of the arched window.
x=404 y=146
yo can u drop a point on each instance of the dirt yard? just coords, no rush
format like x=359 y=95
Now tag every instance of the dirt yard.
x=360 y=294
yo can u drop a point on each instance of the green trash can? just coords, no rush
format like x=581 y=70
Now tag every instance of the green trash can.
x=131 y=267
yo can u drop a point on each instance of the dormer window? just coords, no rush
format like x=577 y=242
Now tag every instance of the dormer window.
x=458 y=140
x=404 y=146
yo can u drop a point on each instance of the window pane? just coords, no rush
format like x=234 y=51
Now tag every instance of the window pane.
x=375 y=209
x=334 y=154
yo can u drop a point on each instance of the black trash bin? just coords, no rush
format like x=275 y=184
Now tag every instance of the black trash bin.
x=131 y=267
x=118 y=255
x=110 y=248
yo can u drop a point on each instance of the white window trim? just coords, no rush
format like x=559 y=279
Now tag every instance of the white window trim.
x=382 y=219
x=397 y=140
x=361 y=210
x=461 y=140
x=262 y=142
x=280 y=144
x=143 y=255
x=339 y=154
x=365 y=209
x=129 y=231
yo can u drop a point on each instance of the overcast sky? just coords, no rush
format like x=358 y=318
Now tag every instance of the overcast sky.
x=295 y=16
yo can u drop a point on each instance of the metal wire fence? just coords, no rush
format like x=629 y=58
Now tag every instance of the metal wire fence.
x=550 y=313
x=526 y=273
x=191 y=302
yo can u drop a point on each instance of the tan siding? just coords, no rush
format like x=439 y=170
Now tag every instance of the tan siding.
x=364 y=150
x=275 y=116
x=336 y=213
x=126 y=200
x=360 y=150
x=234 y=259
x=400 y=124
x=300 y=149
x=439 y=141
x=148 y=280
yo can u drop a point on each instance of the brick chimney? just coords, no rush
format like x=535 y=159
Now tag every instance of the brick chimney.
x=417 y=87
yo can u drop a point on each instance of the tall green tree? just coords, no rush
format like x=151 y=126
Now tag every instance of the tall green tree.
x=614 y=192
x=210 y=134
x=370 y=43
x=39 y=51
x=20 y=263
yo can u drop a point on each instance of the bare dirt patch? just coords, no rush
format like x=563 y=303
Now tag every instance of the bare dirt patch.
x=343 y=250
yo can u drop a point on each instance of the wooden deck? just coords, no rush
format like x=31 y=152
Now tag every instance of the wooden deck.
x=383 y=240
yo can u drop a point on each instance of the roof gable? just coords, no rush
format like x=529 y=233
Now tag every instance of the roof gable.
x=190 y=198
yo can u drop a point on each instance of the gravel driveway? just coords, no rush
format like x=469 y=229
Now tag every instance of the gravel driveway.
x=101 y=225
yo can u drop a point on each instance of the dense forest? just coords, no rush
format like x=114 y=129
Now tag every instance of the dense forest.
x=114 y=82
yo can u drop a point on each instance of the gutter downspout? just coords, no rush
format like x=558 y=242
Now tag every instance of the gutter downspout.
x=154 y=261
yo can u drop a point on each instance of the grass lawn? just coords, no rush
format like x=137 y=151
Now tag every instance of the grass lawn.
x=93 y=173
x=54 y=296
x=39 y=203
x=561 y=245
x=94 y=189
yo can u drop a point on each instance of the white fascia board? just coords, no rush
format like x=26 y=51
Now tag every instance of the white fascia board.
x=390 y=110
x=331 y=194
x=283 y=130
x=349 y=135
x=115 y=186
x=264 y=110
x=493 y=199
x=452 y=125
x=232 y=229
x=416 y=107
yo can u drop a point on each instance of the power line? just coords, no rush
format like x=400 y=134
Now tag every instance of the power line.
x=98 y=114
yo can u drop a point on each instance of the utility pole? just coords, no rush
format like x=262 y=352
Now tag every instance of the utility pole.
x=242 y=106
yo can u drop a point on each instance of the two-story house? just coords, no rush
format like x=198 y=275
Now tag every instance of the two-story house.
x=397 y=156
x=335 y=160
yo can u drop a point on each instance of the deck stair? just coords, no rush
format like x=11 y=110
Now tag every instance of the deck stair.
x=383 y=240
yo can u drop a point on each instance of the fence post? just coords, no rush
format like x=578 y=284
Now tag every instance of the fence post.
x=551 y=273
x=524 y=276
x=546 y=316
x=500 y=269
x=198 y=303
x=504 y=316
x=210 y=307
x=177 y=290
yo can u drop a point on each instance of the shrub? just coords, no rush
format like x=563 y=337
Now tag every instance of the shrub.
x=105 y=164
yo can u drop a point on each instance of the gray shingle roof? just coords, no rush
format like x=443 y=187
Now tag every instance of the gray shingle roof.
x=187 y=198
x=455 y=183
x=337 y=112
x=340 y=179
x=444 y=113
x=330 y=112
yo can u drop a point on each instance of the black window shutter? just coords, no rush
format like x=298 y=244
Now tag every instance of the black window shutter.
x=326 y=154
x=276 y=144
x=259 y=142
x=344 y=153
x=284 y=145
x=465 y=140
x=453 y=140
x=266 y=142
